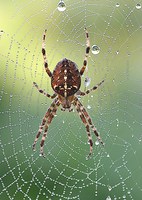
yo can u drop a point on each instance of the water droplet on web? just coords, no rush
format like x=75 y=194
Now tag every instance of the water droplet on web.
x=79 y=97
x=1 y=31
x=124 y=196
x=88 y=142
x=87 y=157
x=108 y=155
x=89 y=106
x=61 y=6
x=128 y=192
x=95 y=49
x=97 y=142
x=87 y=81
x=138 y=6
x=117 y=5
x=109 y=187
x=108 y=198
x=117 y=52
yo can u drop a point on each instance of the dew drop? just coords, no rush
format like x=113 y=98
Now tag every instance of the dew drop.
x=95 y=49
x=138 y=6
x=128 y=192
x=109 y=187
x=61 y=6
x=1 y=31
x=117 y=52
x=88 y=142
x=87 y=157
x=108 y=198
x=89 y=106
x=97 y=142
x=87 y=81
x=117 y=5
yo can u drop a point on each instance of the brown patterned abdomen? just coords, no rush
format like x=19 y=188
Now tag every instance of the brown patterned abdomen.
x=66 y=79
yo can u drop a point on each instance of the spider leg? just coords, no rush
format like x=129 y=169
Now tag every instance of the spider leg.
x=90 y=90
x=44 y=56
x=86 y=55
x=89 y=119
x=46 y=94
x=51 y=116
x=47 y=114
x=86 y=125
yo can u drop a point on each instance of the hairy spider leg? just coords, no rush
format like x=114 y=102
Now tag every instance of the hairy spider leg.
x=86 y=55
x=47 y=114
x=46 y=94
x=86 y=125
x=51 y=116
x=90 y=90
x=44 y=56
x=89 y=119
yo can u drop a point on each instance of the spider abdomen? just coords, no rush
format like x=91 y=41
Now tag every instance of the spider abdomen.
x=66 y=78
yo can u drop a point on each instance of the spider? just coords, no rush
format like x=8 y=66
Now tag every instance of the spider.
x=66 y=81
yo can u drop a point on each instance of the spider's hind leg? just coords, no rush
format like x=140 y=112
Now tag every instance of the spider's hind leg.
x=86 y=125
x=84 y=111
x=53 y=109
x=50 y=113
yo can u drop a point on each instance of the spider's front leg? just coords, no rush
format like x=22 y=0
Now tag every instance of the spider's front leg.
x=44 y=56
x=86 y=54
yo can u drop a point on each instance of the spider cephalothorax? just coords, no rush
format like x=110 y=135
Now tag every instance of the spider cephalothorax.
x=66 y=82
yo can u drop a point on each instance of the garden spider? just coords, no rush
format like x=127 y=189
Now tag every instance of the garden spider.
x=66 y=81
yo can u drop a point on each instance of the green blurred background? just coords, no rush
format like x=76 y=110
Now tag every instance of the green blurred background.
x=113 y=171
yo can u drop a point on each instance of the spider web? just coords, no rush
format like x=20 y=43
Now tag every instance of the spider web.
x=113 y=171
